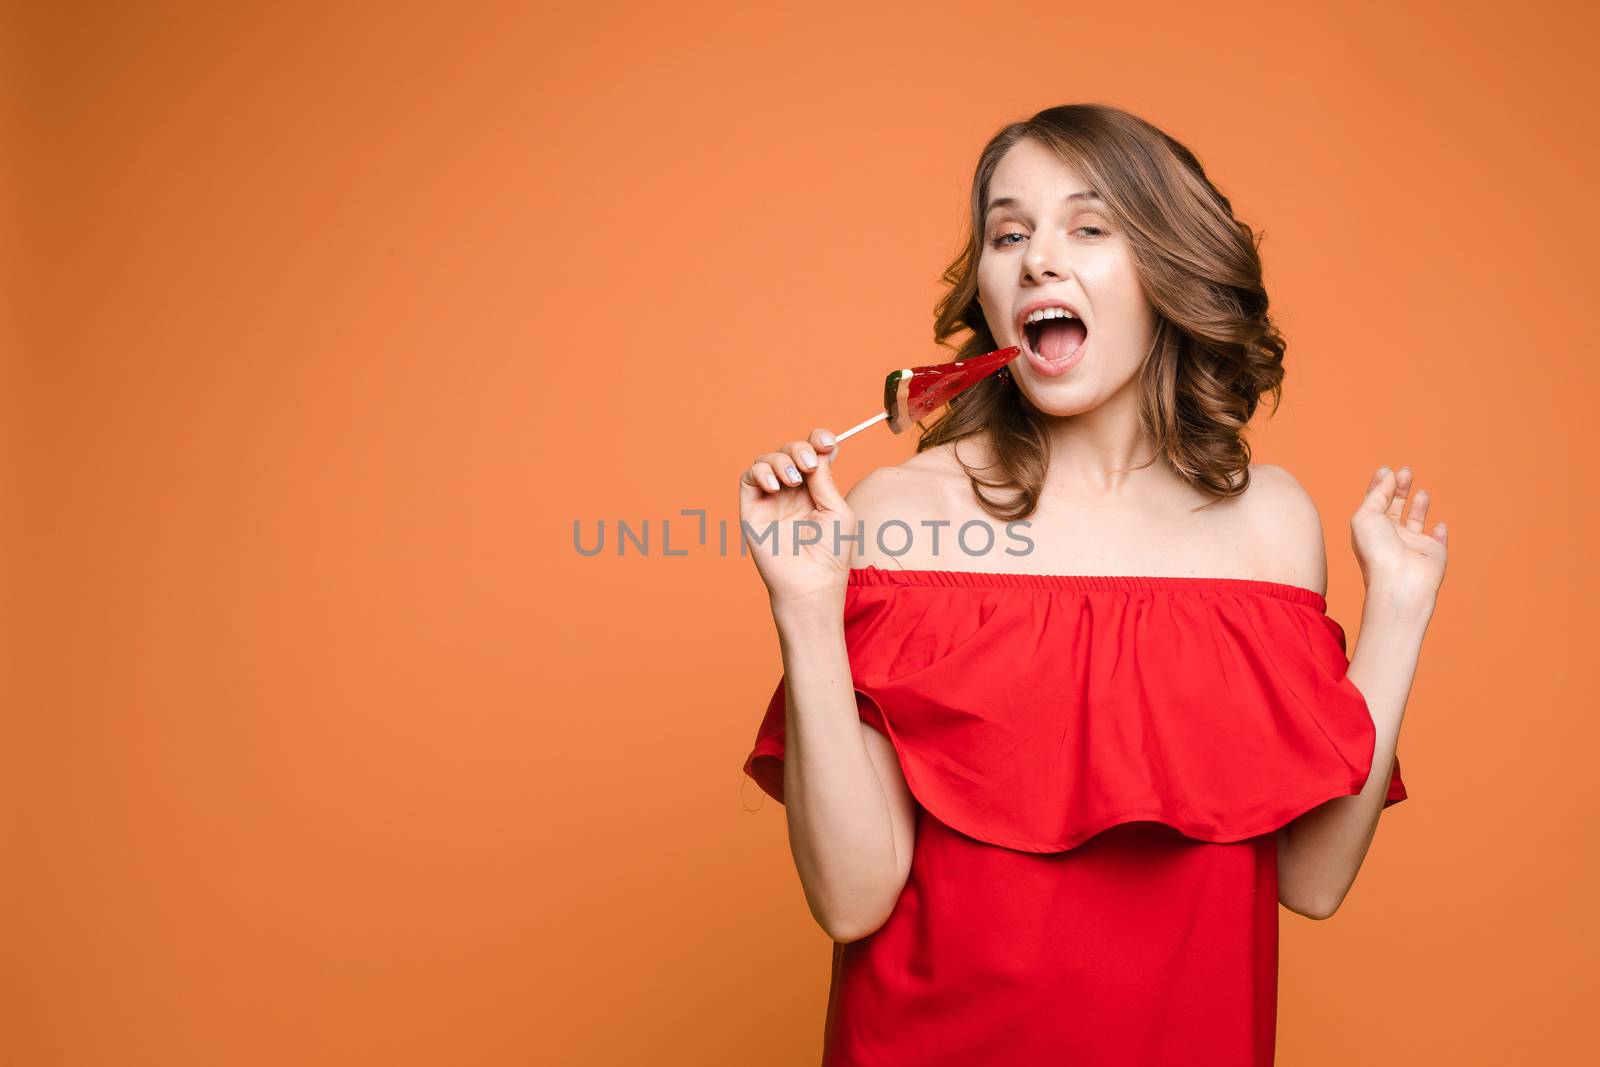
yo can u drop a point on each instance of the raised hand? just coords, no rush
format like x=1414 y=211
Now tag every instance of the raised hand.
x=1396 y=556
x=790 y=494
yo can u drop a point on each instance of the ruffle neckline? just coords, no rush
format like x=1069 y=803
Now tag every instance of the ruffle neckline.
x=1033 y=711
x=873 y=575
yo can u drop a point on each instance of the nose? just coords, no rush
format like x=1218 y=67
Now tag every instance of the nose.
x=1046 y=258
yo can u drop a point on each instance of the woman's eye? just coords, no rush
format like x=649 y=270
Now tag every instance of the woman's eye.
x=1000 y=241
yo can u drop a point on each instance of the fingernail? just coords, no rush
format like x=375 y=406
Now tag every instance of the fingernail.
x=808 y=458
x=792 y=472
x=826 y=438
x=772 y=482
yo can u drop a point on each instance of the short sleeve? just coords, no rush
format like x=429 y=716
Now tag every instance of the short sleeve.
x=1397 y=788
x=1033 y=712
x=765 y=761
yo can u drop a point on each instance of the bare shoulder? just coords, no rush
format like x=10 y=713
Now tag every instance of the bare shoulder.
x=883 y=490
x=921 y=488
x=951 y=459
x=1285 y=527
x=919 y=483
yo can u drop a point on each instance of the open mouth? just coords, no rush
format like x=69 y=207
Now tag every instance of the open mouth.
x=1054 y=340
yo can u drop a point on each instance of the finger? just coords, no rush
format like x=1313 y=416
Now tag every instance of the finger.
x=1378 y=490
x=823 y=490
x=783 y=465
x=1419 y=511
x=760 y=475
x=1402 y=486
x=804 y=456
x=825 y=444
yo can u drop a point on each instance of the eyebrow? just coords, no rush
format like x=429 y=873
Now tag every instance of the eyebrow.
x=1011 y=201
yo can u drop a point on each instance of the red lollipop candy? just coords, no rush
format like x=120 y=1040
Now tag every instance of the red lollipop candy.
x=917 y=392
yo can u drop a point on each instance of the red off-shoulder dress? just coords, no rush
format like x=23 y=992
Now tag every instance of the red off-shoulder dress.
x=1099 y=763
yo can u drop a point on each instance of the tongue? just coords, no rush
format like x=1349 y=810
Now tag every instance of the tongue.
x=1060 y=338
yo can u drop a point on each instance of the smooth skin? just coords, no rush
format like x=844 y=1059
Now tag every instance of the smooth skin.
x=850 y=816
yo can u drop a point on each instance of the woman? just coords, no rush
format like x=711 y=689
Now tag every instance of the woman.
x=1084 y=761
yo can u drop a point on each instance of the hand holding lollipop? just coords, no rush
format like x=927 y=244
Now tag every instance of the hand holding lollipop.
x=795 y=483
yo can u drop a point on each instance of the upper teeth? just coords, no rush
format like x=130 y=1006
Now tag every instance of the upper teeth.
x=1048 y=313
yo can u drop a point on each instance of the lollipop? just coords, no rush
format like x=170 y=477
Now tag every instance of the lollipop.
x=917 y=392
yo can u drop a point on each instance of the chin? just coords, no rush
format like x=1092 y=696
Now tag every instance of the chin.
x=1059 y=397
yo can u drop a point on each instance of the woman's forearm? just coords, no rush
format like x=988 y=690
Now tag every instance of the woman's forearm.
x=1324 y=849
x=840 y=831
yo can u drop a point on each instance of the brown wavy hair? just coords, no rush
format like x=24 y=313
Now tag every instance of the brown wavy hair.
x=1216 y=349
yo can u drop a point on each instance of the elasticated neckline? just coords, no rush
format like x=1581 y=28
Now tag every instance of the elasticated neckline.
x=878 y=576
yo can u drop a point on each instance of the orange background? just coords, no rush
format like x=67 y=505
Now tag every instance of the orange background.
x=326 y=747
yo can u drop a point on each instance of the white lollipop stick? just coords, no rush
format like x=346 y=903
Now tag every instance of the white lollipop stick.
x=879 y=417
